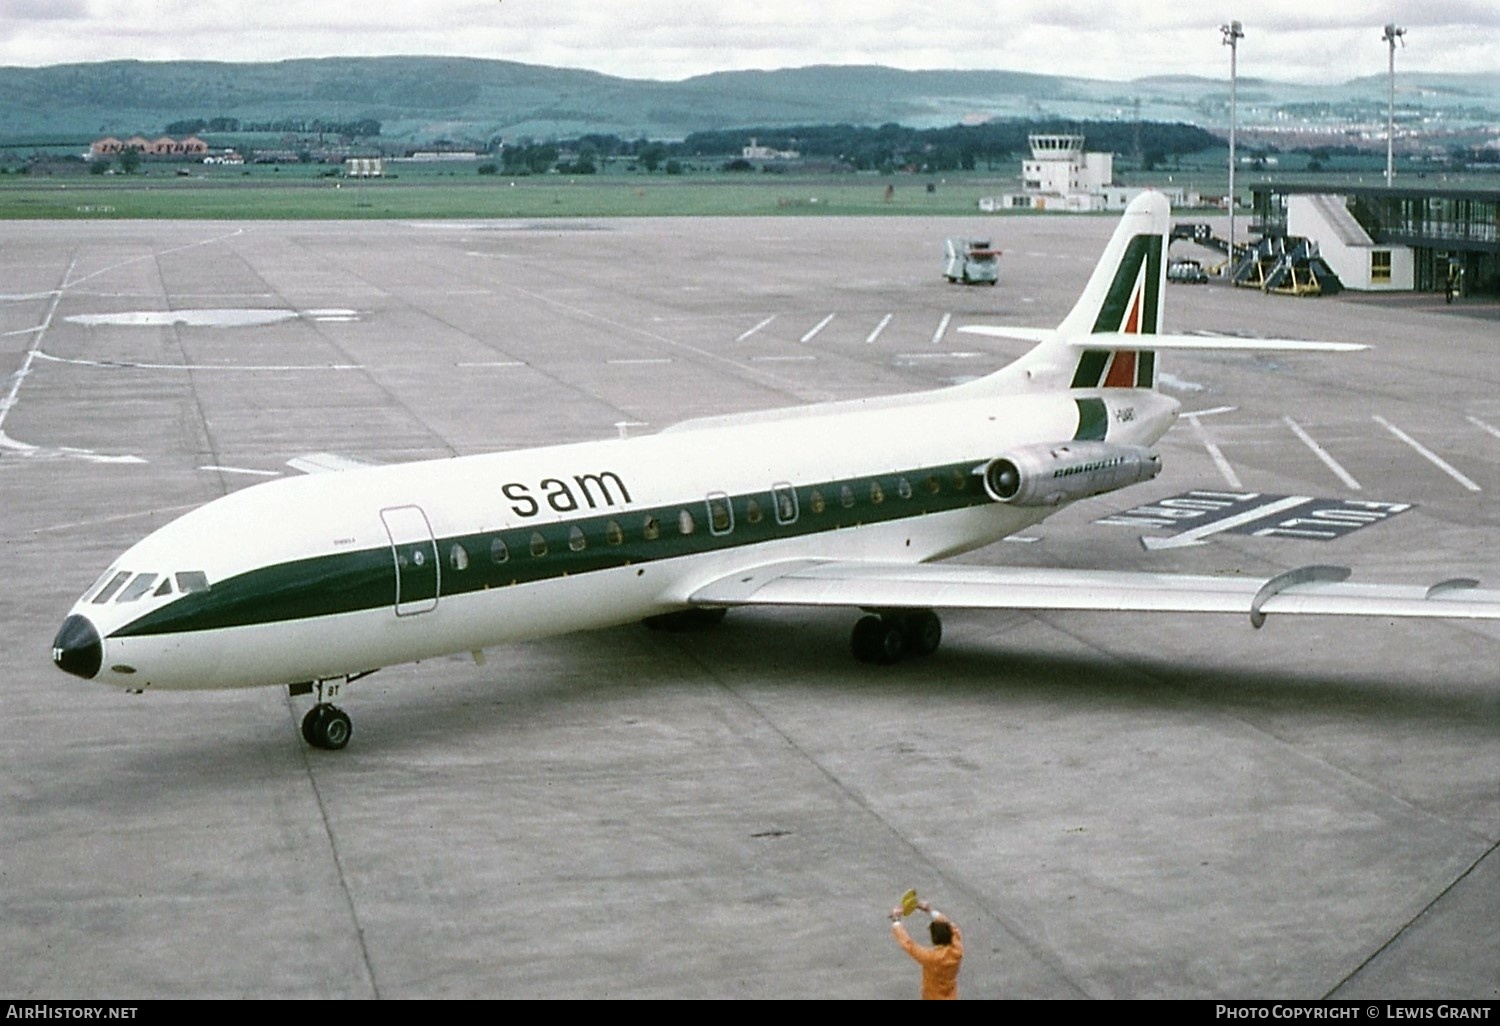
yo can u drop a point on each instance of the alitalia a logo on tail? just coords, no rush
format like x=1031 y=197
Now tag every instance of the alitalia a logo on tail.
x=1132 y=306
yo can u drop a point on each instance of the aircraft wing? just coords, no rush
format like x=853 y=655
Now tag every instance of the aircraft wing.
x=1306 y=590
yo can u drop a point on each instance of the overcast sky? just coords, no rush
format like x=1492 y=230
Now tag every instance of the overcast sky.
x=1288 y=40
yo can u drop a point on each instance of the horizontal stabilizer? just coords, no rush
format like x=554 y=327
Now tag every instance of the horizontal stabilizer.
x=1314 y=590
x=1112 y=340
x=999 y=331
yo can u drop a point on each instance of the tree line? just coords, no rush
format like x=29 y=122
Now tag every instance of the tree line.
x=887 y=147
x=965 y=147
x=358 y=128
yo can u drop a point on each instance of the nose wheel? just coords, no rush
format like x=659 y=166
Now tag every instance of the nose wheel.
x=327 y=726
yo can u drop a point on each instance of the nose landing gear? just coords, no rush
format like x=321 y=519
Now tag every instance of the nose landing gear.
x=326 y=725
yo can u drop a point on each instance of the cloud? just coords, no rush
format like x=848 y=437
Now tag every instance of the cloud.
x=672 y=39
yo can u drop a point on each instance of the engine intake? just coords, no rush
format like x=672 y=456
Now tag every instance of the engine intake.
x=1046 y=475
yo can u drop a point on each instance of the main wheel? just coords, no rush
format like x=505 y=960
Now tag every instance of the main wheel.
x=878 y=640
x=865 y=641
x=924 y=632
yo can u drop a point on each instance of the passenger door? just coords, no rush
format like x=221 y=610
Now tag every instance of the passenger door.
x=414 y=550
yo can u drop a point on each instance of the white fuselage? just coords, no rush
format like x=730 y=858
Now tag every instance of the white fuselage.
x=333 y=574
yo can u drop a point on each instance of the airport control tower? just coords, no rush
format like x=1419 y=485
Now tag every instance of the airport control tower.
x=1060 y=167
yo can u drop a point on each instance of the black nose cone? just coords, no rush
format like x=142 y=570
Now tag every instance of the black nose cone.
x=77 y=649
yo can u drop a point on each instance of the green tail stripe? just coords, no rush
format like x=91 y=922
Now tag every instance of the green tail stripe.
x=1145 y=369
x=1090 y=368
x=1116 y=306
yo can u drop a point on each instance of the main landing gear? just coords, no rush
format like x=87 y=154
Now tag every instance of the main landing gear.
x=326 y=725
x=891 y=635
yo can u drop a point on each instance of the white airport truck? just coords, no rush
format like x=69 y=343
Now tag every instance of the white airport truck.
x=971 y=261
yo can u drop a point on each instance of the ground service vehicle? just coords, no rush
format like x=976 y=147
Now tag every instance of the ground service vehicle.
x=970 y=261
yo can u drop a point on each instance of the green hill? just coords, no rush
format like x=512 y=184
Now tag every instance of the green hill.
x=425 y=98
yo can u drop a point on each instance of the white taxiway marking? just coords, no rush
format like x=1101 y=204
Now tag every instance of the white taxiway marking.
x=240 y=470
x=1481 y=425
x=752 y=331
x=128 y=365
x=942 y=328
x=878 y=329
x=210 y=318
x=1197 y=534
x=8 y=403
x=1322 y=454
x=817 y=328
x=635 y=361
x=1428 y=454
x=1213 y=450
x=114 y=519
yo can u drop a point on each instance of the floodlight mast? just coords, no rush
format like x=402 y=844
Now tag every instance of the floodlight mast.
x=1232 y=33
x=1392 y=34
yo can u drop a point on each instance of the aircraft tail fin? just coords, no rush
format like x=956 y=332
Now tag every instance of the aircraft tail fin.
x=1111 y=336
x=1121 y=302
x=1124 y=294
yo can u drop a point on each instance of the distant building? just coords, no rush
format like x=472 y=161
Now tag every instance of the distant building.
x=1060 y=175
x=364 y=167
x=165 y=146
x=435 y=156
x=755 y=151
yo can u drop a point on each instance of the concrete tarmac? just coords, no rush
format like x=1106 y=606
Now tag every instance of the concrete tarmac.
x=1110 y=805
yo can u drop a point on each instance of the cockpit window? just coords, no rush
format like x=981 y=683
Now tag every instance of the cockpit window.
x=113 y=586
x=164 y=588
x=191 y=580
x=136 y=588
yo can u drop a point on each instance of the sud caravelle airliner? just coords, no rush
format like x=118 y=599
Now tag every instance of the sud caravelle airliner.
x=313 y=582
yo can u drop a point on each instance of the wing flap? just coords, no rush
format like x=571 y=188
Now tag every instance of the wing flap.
x=957 y=586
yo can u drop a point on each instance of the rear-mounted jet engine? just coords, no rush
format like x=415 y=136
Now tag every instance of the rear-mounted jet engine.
x=1045 y=475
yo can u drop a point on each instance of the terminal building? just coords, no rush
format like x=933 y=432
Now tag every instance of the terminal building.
x=1380 y=239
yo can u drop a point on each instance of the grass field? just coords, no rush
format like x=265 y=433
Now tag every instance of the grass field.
x=488 y=197
x=305 y=194
x=301 y=196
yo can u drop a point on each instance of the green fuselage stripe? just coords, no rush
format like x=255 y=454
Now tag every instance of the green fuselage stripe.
x=1093 y=420
x=348 y=582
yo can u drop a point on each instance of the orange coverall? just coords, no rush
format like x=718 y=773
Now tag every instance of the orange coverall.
x=939 y=963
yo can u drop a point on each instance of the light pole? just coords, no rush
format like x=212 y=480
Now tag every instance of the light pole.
x=1232 y=35
x=1392 y=33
